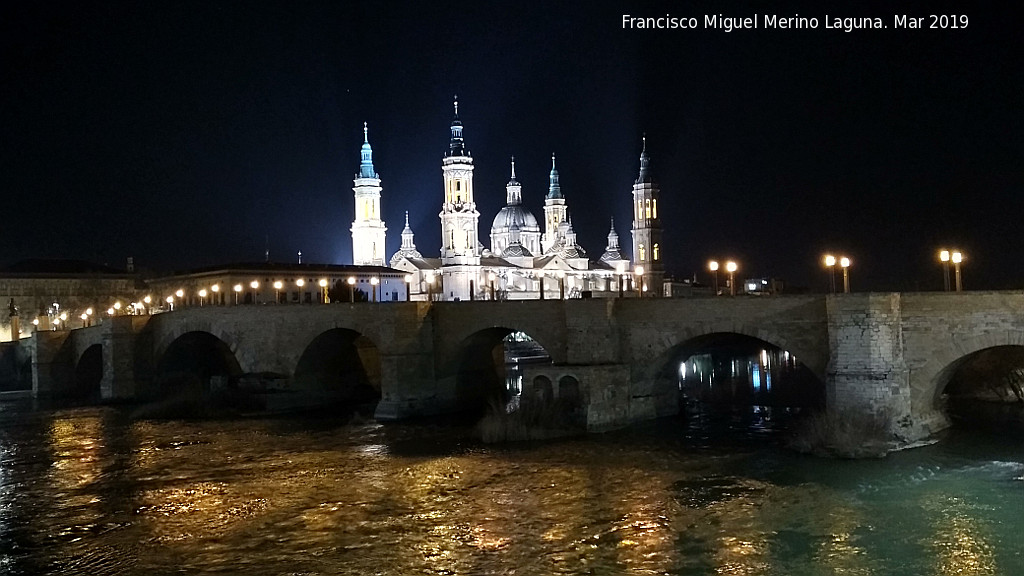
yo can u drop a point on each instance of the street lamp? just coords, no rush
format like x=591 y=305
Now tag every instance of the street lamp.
x=147 y=300
x=620 y=270
x=351 y=289
x=254 y=285
x=844 y=263
x=323 y=289
x=202 y=297
x=408 y=287
x=117 y=307
x=216 y=293
x=492 y=276
x=181 y=295
x=713 y=266
x=373 y=284
x=430 y=286
x=830 y=263
x=639 y=271
x=170 y=303
x=238 y=290
x=540 y=279
x=957 y=258
x=277 y=291
x=944 y=258
x=731 y=267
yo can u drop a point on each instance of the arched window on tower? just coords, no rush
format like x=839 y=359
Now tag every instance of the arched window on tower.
x=655 y=203
x=647 y=205
x=643 y=254
x=656 y=251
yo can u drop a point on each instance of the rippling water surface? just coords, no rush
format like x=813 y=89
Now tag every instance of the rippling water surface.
x=89 y=491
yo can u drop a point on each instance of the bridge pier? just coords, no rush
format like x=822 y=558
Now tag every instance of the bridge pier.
x=123 y=356
x=867 y=373
x=409 y=389
x=53 y=370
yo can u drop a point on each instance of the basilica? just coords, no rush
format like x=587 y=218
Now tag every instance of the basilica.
x=523 y=261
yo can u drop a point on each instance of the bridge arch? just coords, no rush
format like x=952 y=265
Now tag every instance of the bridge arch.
x=194 y=358
x=801 y=386
x=88 y=373
x=929 y=383
x=479 y=367
x=342 y=363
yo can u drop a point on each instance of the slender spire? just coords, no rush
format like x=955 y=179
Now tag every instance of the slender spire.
x=457 y=147
x=408 y=249
x=366 y=156
x=513 y=190
x=554 y=189
x=612 y=252
x=645 y=162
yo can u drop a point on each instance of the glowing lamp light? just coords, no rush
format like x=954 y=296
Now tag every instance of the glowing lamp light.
x=300 y=282
x=731 y=266
x=202 y=293
x=254 y=284
x=374 y=280
x=323 y=283
x=84 y=316
x=278 y=285
x=110 y=311
x=639 y=270
x=492 y=276
x=944 y=255
x=830 y=260
x=238 y=288
x=351 y=281
x=35 y=321
x=117 y=305
x=215 y=288
x=88 y=311
x=170 y=299
x=180 y=293
x=713 y=266
x=844 y=262
x=957 y=257
x=147 y=299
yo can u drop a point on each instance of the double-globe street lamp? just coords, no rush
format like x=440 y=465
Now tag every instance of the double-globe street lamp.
x=956 y=257
x=844 y=263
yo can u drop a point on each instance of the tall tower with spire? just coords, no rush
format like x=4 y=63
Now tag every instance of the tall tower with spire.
x=647 y=226
x=554 y=209
x=368 y=229
x=460 y=220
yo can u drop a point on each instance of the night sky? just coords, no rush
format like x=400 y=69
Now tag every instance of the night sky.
x=191 y=134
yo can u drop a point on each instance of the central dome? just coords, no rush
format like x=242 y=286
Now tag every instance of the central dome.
x=517 y=215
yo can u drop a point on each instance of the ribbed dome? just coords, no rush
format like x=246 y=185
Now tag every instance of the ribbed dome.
x=517 y=215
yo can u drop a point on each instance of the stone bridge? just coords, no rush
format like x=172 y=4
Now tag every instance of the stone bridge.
x=873 y=352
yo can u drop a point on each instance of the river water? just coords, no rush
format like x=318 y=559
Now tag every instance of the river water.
x=92 y=491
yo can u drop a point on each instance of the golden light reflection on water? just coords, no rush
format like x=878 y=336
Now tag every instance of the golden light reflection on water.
x=961 y=542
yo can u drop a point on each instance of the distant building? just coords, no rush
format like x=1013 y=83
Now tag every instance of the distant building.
x=274 y=282
x=524 y=262
x=51 y=294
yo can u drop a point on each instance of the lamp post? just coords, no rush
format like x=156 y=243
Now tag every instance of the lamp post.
x=639 y=271
x=408 y=287
x=181 y=295
x=147 y=300
x=351 y=289
x=254 y=285
x=844 y=263
x=731 y=267
x=540 y=278
x=621 y=273
x=830 y=263
x=202 y=297
x=300 y=283
x=238 y=290
x=216 y=293
x=323 y=289
x=277 y=291
x=373 y=285
x=713 y=266
x=170 y=303
x=561 y=284
x=944 y=258
x=491 y=276
x=957 y=258
x=430 y=287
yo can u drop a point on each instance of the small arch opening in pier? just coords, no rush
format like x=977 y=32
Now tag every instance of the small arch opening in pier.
x=984 y=389
x=88 y=374
x=494 y=369
x=756 y=383
x=341 y=367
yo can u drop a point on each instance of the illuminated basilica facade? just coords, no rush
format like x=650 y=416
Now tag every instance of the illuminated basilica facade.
x=523 y=261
